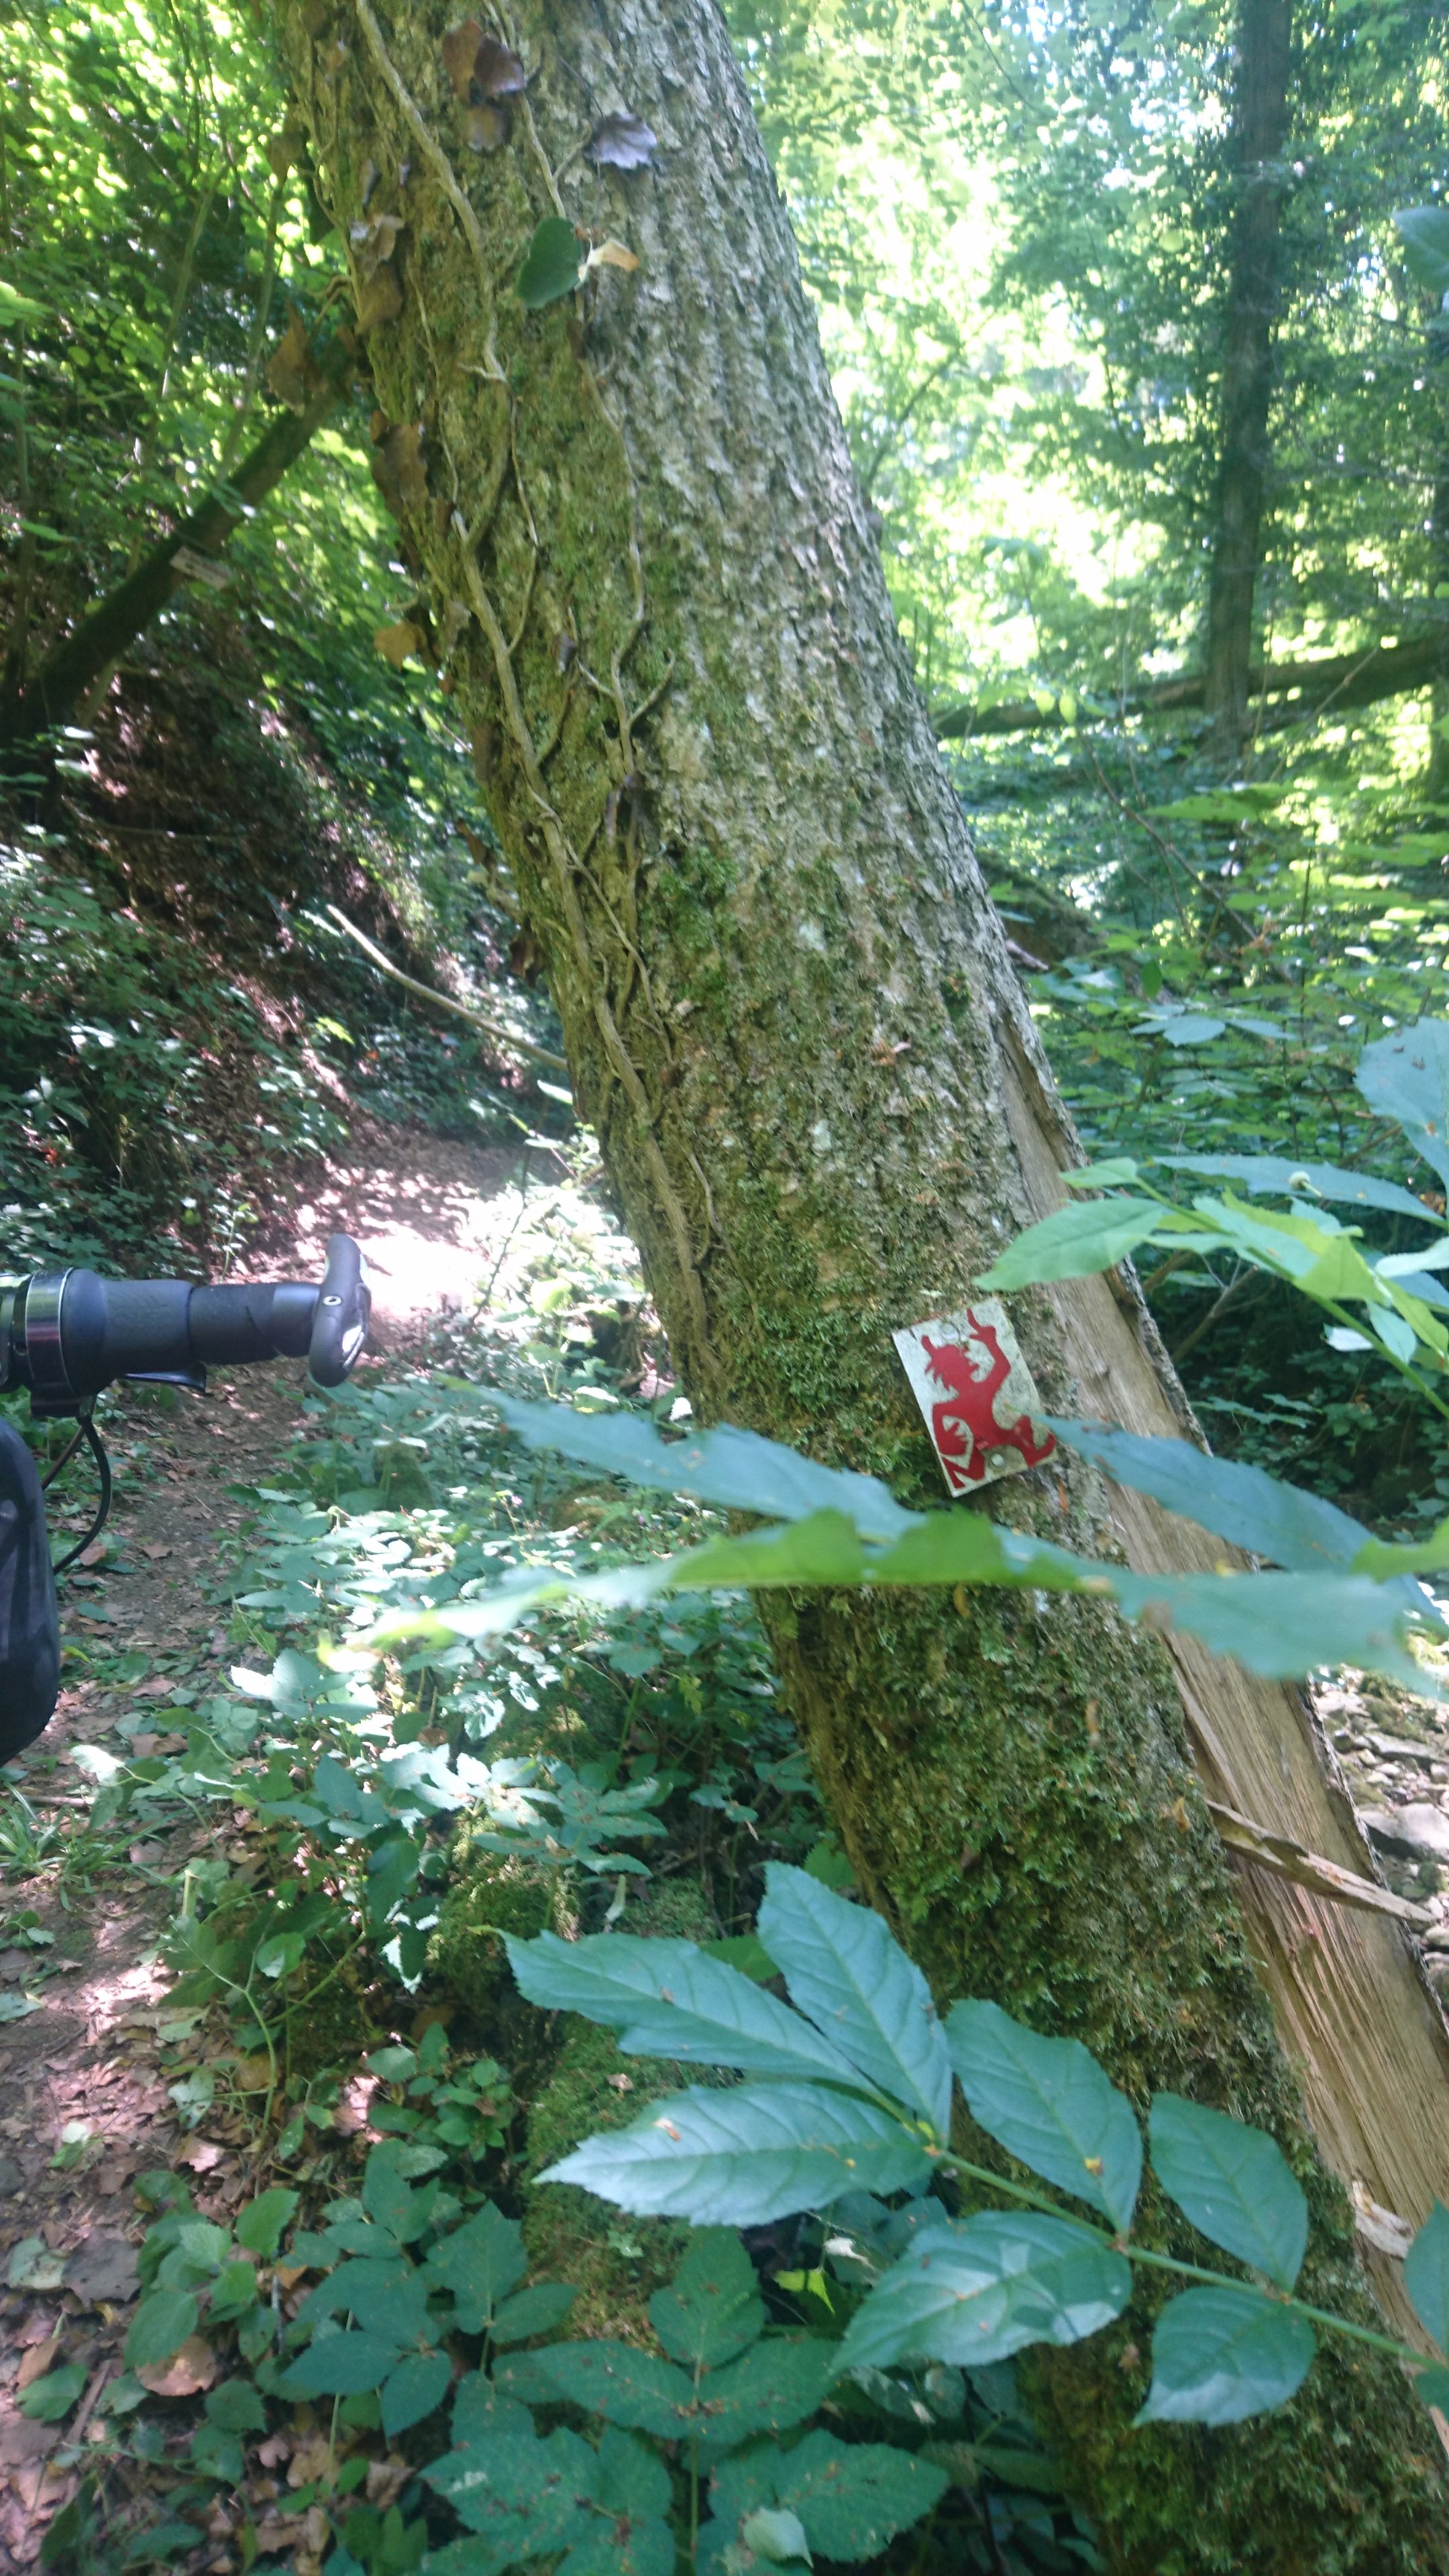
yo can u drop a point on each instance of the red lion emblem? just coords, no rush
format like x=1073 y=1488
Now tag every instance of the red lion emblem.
x=964 y=1424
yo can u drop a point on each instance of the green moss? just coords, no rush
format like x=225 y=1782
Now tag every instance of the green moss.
x=488 y=1896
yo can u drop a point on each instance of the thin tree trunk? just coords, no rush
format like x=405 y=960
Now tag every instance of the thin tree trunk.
x=1259 y=136
x=72 y=666
x=792 y=1020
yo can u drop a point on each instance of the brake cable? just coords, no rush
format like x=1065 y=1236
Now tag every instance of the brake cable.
x=85 y=1431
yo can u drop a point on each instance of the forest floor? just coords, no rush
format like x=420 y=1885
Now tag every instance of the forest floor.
x=88 y=2059
x=88 y=2097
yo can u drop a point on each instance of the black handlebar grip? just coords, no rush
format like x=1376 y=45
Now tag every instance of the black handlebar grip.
x=111 y=1326
x=344 y=1309
x=258 y=1322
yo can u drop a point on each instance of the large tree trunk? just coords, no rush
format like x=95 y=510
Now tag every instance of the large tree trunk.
x=1259 y=135
x=791 y=1017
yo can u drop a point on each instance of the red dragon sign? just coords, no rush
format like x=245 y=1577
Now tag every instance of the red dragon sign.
x=976 y=1393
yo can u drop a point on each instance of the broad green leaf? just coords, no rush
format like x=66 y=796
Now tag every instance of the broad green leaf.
x=218 y=2454
x=160 y=2327
x=776 y=2534
x=481 y=2409
x=668 y=1999
x=554 y=264
x=622 y=2547
x=855 y=1982
x=384 y=2294
x=418 y=2385
x=712 y=2309
x=767 y=2390
x=1280 y=1625
x=1221 y=2355
x=1091 y=1234
x=854 y=2497
x=1048 y=2102
x=1431 y=2387
x=739 y=1471
x=1236 y=1502
x=1263 y=1172
x=46 y=2400
x=1424 y=232
x=341 y=2365
x=533 y=2312
x=1233 y=2182
x=386 y=2196
x=983 y=2289
x=1405 y=1076
x=236 y=2407
x=479 y=2263
x=615 y=2380
x=741 y=2157
x=630 y=2478
x=1426 y=2274
x=523 y=2496
x=259 y=2226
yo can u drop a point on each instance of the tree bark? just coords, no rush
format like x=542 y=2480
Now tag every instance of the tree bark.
x=71 y=667
x=1259 y=136
x=791 y=1018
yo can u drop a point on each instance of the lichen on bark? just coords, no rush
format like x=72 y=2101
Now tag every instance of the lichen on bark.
x=790 y=1016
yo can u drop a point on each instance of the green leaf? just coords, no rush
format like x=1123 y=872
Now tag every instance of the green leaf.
x=713 y=2309
x=1088 y=1235
x=981 y=2290
x=775 y=2533
x=614 y=2380
x=160 y=2327
x=1278 y=1624
x=46 y=2400
x=218 y=2454
x=1236 y=1502
x=260 y=2225
x=481 y=2409
x=236 y=2407
x=553 y=265
x=1233 y=2182
x=1269 y=1172
x=1048 y=2102
x=744 y=2156
x=745 y=1951
x=622 y=2548
x=843 y=1969
x=1426 y=2274
x=853 y=2497
x=739 y=1471
x=669 y=1999
x=339 y=2365
x=631 y=2479
x=1405 y=1076
x=533 y=2312
x=522 y=2496
x=383 y=2292
x=1424 y=231
x=479 y=2263
x=1219 y=2356
x=768 y=2390
x=418 y=2385
x=1431 y=2387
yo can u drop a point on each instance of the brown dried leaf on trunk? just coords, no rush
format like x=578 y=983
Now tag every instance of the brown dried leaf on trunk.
x=611 y=254
x=293 y=374
x=398 y=469
x=377 y=299
x=285 y=150
x=460 y=52
x=397 y=644
x=489 y=127
x=498 y=71
x=376 y=239
x=621 y=142
x=455 y=618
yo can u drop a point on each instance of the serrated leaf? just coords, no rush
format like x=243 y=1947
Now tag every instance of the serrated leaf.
x=1048 y=2102
x=855 y=1982
x=768 y=2390
x=341 y=2365
x=418 y=2385
x=1087 y=1235
x=479 y=2263
x=853 y=2497
x=481 y=2408
x=744 y=2156
x=1243 y=1504
x=523 y=2496
x=383 y=2293
x=160 y=2326
x=978 y=2291
x=1426 y=2274
x=533 y=2312
x=236 y=2407
x=668 y=1999
x=631 y=2479
x=552 y=267
x=46 y=2400
x=622 y=2548
x=1219 y=2356
x=1405 y=1076
x=712 y=2309
x=615 y=2380
x=1233 y=2182
x=1270 y=1172
x=259 y=2226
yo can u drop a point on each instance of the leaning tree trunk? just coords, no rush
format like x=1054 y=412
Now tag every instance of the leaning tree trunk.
x=791 y=1018
x=1259 y=135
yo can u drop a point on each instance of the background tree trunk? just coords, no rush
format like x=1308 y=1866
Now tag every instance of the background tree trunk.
x=791 y=1018
x=1259 y=136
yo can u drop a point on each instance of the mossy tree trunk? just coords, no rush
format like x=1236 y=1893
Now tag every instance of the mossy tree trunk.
x=792 y=1020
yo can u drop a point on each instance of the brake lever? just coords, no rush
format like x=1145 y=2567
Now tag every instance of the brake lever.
x=342 y=1314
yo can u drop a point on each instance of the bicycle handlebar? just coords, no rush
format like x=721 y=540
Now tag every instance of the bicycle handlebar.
x=65 y=1334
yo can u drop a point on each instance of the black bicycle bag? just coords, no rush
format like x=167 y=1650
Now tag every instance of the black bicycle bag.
x=29 y=1619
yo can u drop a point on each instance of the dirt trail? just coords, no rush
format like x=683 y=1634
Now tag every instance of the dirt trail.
x=427 y=1213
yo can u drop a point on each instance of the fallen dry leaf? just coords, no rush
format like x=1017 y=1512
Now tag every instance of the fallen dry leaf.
x=103 y=2268
x=201 y=2154
x=37 y=2362
x=282 y=2532
x=156 y=1548
x=187 y=2372
x=312 y=2463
